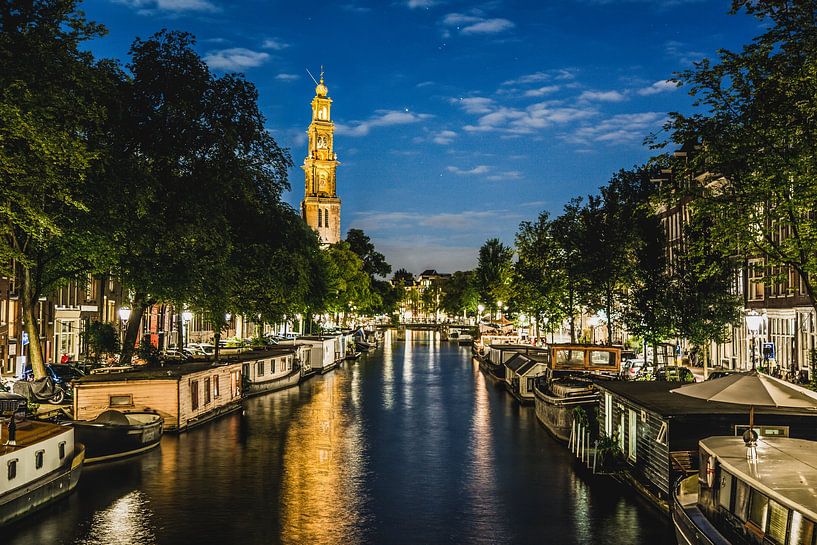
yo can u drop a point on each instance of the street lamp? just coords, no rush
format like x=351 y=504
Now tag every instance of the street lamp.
x=187 y=316
x=499 y=310
x=124 y=316
x=480 y=309
x=753 y=324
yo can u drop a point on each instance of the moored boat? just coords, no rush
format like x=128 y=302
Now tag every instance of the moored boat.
x=40 y=460
x=114 y=434
x=566 y=383
x=741 y=497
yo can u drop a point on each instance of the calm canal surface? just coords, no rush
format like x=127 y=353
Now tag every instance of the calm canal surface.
x=411 y=444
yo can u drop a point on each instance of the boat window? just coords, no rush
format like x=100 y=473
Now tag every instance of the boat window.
x=120 y=400
x=216 y=391
x=661 y=438
x=778 y=520
x=608 y=414
x=570 y=358
x=725 y=490
x=621 y=432
x=801 y=531
x=272 y=365
x=194 y=394
x=600 y=358
x=12 y=469
x=38 y=459
x=62 y=449
x=207 y=390
x=757 y=508
x=260 y=368
x=741 y=500
x=632 y=436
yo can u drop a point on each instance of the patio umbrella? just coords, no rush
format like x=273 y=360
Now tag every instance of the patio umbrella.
x=753 y=389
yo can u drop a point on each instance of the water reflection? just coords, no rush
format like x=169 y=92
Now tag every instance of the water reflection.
x=128 y=520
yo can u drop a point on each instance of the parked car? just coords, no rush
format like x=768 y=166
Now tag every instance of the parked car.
x=175 y=355
x=206 y=349
x=674 y=373
x=632 y=369
x=719 y=373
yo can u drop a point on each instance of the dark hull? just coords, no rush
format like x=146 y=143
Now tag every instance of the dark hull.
x=23 y=501
x=280 y=383
x=692 y=528
x=556 y=413
x=105 y=442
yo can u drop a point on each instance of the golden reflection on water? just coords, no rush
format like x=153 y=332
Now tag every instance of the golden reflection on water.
x=127 y=520
x=321 y=487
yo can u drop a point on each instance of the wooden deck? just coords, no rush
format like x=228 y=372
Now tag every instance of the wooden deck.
x=29 y=432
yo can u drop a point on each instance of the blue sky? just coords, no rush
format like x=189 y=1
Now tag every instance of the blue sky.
x=455 y=120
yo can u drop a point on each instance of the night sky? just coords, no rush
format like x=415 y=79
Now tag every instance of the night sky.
x=454 y=120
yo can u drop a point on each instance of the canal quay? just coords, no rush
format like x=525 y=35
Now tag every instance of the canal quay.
x=410 y=444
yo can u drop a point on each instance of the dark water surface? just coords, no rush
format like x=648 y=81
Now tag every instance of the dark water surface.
x=411 y=444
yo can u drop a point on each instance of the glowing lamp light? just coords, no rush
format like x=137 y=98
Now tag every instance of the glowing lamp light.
x=480 y=308
x=187 y=315
x=228 y=317
x=124 y=314
x=753 y=321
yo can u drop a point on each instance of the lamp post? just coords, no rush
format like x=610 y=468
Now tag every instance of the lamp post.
x=499 y=310
x=480 y=309
x=753 y=323
x=124 y=316
x=187 y=316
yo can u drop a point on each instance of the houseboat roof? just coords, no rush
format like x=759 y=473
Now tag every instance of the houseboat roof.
x=786 y=469
x=522 y=363
x=168 y=372
x=31 y=432
x=655 y=396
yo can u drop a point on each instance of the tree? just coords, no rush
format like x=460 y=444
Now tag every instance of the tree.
x=195 y=165
x=539 y=279
x=754 y=163
x=459 y=294
x=50 y=113
x=569 y=238
x=374 y=263
x=101 y=338
x=493 y=272
x=402 y=277
x=348 y=284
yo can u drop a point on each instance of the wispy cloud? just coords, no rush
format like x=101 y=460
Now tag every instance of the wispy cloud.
x=275 y=44
x=476 y=24
x=603 y=96
x=618 y=128
x=508 y=175
x=475 y=105
x=444 y=138
x=541 y=91
x=561 y=74
x=475 y=171
x=519 y=121
x=236 y=58
x=146 y=7
x=355 y=8
x=381 y=118
x=416 y=4
x=287 y=77
x=682 y=52
x=662 y=86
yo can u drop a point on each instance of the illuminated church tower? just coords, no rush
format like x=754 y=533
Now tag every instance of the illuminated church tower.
x=321 y=205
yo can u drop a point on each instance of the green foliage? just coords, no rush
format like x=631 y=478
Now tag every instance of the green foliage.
x=751 y=142
x=102 y=338
x=148 y=352
x=348 y=284
x=374 y=263
x=402 y=277
x=492 y=277
x=459 y=294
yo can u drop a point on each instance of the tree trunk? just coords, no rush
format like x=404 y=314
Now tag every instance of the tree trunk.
x=572 y=317
x=132 y=331
x=609 y=310
x=29 y=298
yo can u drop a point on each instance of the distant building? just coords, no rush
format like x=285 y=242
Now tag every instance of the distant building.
x=321 y=205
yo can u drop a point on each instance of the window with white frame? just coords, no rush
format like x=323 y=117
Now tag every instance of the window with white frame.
x=756 y=285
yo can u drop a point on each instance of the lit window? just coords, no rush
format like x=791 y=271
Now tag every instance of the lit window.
x=778 y=523
x=757 y=508
x=661 y=438
x=120 y=400
x=801 y=531
x=725 y=490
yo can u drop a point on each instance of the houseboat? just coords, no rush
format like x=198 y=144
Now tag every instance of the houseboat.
x=324 y=352
x=184 y=395
x=566 y=383
x=657 y=432
x=496 y=355
x=520 y=374
x=40 y=461
x=113 y=434
x=739 y=500
x=275 y=369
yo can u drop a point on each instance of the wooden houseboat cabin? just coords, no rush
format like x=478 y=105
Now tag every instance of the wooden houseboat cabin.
x=520 y=374
x=658 y=431
x=324 y=352
x=184 y=395
x=275 y=369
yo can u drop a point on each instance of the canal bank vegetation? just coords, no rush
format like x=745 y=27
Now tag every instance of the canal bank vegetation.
x=157 y=173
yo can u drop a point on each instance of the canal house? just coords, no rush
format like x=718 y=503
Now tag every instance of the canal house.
x=520 y=373
x=658 y=431
x=275 y=369
x=184 y=395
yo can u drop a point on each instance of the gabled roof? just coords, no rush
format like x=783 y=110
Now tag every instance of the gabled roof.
x=521 y=363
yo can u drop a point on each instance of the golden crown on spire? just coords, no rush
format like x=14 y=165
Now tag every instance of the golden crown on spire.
x=321 y=89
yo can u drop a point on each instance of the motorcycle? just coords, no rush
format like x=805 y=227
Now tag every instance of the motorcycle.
x=44 y=390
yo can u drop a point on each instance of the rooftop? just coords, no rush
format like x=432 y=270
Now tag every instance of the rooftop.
x=30 y=432
x=168 y=372
x=786 y=469
x=656 y=397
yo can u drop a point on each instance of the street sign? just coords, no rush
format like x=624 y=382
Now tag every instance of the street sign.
x=768 y=351
x=25 y=338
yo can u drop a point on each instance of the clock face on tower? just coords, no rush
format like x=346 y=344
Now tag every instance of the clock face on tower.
x=321 y=143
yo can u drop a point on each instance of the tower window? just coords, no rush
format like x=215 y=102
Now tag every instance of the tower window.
x=326 y=218
x=320 y=218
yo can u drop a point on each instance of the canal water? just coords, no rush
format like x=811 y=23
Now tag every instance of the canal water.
x=410 y=444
